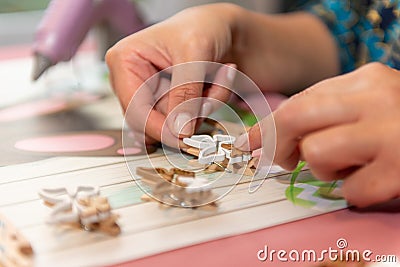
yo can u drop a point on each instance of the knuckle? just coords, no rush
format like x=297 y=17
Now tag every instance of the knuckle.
x=312 y=152
x=374 y=67
x=184 y=93
x=111 y=55
x=194 y=43
x=284 y=116
x=370 y=73
x=118 y=52
x=114 y=56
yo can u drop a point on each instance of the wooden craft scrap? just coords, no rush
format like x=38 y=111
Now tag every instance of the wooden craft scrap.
x=15 y=249
x=81 y=207
x=184 y=189
x=219 y=154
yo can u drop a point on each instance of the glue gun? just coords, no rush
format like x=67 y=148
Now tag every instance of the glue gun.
x=67 y=22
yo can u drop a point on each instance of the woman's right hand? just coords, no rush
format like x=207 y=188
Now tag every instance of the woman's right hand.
x=204 y=33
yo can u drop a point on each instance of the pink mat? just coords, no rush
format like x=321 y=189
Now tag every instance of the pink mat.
x=376 y=231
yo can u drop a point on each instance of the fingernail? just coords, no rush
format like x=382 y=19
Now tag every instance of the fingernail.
x=182 y=124
x=206 y=109
x=242 y=142
x=231 y=73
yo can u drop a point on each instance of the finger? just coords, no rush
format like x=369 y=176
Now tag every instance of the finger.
x=142 y=116
x=162 y=105
x=302 y=105
x=151 y=132
x=371 y=184
x=262 y=135
x=220 y=90
x=187 y=81
x=251 y=140
x=162 y=99
x=126 y=76
x=299 y=117
x=304 y=114
x=336 y=150
x=125 y=83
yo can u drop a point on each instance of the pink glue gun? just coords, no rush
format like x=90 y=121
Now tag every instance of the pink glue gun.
x=67 y=22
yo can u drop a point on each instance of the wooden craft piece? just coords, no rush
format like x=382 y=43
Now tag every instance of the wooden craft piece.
x=199 y=141
x=214 y=150
x=215 y=168
x=194 y=163
x=193 y=151
x=81 y=207
x=15 y=249
x=184 y=189
x=210 y=154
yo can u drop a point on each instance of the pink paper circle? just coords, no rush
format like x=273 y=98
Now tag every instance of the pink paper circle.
x=32 y=109
x=129 y=151
x=66 y=143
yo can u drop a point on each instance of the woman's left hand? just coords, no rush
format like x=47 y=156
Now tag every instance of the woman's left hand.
x=346 y=127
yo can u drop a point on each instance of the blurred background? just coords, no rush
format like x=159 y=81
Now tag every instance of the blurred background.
x=86 y=70
x=19 y=18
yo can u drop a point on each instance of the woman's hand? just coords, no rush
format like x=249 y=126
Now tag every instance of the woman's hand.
x=345 y=128
x=197 y=34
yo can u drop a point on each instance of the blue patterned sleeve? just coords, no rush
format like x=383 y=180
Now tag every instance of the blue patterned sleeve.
x=341 y=17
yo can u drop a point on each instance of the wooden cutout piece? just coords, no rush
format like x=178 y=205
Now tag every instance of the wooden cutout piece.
x=15 y=249
x=83 y=209
x=234 y=151
x=151 y=176
x=195 y=164
x=213 y=168
x=182 y=172
x=193 y=151
x=96 y=206
x=162 y=188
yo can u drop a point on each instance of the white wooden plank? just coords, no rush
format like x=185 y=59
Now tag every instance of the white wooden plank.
x=33 y=213
x=15 y=192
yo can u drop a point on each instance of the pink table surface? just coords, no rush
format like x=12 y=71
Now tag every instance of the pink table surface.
x=377 y=230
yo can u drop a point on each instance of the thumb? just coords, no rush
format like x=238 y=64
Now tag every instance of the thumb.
x=260 y=135
x=251 y=140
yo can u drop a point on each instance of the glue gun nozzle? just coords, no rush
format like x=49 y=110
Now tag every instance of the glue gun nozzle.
x=40 y=65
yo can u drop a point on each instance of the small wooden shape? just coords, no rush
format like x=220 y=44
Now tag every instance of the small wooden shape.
x=214 y=149
x=199 y=141
x=168 y=175
x=235 y=152
x=195 y=164
x=210 y=154
x=193 y=151
x=15 y=249
x=81 y=207
x=183 y=172
x=152 y=176
x=183 y=190
x=214 y=168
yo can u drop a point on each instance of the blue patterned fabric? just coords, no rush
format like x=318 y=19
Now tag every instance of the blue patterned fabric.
x=365 y=30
